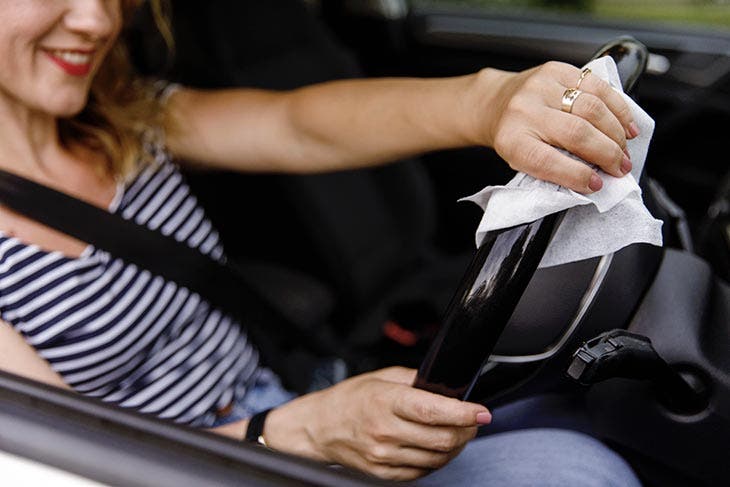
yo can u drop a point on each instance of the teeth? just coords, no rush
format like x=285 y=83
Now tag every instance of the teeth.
x=73 y=57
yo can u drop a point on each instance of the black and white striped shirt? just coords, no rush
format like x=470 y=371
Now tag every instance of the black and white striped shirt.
x=118 y=333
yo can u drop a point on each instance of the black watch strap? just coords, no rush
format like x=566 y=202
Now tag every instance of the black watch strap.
x=255 y=430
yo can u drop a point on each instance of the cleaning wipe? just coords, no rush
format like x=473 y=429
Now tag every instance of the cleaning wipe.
x=595 y=224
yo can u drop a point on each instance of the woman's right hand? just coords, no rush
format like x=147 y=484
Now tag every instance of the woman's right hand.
x=377 y=423
x=521 y=116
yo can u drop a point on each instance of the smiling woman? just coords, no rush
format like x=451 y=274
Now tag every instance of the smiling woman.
x=82 y=73
x=75 y=117
x=45 y=38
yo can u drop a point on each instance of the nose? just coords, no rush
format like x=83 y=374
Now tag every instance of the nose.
x=94 y=19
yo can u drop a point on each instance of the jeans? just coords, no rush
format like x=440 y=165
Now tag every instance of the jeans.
x=534 y=457
x=267 y=392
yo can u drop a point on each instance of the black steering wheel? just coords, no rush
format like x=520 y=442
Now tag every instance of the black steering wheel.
x=499 y=274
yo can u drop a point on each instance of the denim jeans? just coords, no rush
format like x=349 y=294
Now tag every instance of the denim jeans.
x=266 y=393
x=535 y=457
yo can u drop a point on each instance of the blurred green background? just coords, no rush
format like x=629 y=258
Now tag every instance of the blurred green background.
x=714 y=13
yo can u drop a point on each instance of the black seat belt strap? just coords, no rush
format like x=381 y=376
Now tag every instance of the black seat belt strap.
x=122 y=238
x=220 y=284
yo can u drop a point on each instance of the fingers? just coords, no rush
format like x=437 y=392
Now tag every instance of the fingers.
x=583 y=139
x=593 y=109
x=441 y=439
x=613 y=101
x=399 y=474
x=386 y=469
x=432 y=448
x=545 y=162
x=601 y=89
x=610 y=116
x=411 y=463
x=406 y=456
x=434 y=410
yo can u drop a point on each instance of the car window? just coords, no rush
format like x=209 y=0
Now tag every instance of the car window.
x=715 y=13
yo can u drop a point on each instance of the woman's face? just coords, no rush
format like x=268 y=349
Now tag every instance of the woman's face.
x=51 y=49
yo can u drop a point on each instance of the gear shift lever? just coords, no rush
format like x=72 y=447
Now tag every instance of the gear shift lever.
x=618 y=353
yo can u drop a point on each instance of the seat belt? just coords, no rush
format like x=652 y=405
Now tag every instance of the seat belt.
x=220 y=284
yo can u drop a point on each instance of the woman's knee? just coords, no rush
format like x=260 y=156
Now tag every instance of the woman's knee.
x=542 y=457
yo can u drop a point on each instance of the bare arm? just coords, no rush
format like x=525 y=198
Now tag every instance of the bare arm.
x=336 y=125
x=357 y=123
x=19 y=358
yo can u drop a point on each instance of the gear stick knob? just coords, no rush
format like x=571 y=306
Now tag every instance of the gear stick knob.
x=618 y=353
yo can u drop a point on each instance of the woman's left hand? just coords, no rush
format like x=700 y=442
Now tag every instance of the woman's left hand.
x=378 y=423
x=519 y=114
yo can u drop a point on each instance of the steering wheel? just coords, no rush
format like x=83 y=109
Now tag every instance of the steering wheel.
x=499 y=275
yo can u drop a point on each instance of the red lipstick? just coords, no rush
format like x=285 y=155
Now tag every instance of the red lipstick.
x=72 y=68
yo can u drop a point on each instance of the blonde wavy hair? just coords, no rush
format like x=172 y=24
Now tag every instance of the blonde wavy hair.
x=121 y=107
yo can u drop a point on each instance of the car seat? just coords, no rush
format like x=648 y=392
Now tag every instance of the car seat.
x=367 y=235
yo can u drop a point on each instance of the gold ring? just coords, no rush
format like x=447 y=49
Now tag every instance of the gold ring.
x=583 y=75
x=569 y=97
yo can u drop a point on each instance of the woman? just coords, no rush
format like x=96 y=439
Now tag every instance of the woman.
x=74 y=118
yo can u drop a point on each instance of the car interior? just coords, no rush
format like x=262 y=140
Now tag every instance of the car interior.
x=369 y=260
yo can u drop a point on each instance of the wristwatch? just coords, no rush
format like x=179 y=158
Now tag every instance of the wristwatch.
x=255 y=429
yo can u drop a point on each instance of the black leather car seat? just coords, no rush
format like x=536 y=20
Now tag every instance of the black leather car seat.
x=366 y=234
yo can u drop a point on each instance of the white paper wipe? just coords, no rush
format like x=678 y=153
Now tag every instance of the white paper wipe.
x=597 y=224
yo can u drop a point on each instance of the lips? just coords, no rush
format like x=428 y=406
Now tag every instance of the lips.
x=73 y=62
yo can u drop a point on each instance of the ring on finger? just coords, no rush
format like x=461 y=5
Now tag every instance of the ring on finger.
x=583 y=74
x=569 y=97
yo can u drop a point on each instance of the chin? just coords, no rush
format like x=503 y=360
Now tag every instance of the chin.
x=66 y=108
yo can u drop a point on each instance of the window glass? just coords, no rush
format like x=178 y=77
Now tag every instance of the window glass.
x=687 y=12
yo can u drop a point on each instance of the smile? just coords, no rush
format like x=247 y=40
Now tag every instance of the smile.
x=75 y=63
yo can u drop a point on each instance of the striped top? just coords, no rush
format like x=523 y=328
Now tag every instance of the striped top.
x=117 y=332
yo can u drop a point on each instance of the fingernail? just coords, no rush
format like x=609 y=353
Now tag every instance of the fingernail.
x=484 y=418
x=633 y=130
x=626 y=165
x=595 y=183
